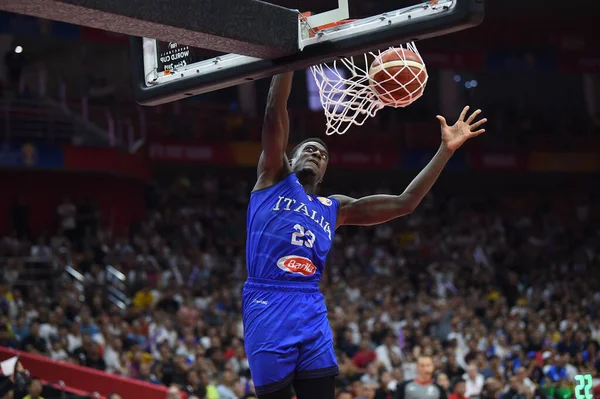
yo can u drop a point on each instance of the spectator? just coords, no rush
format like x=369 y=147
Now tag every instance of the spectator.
x=74 y=338
x=372 y=374
x=491 y=389
x=341 y=395
x=67 y=213
x=33 y=343
x=369 y=390
x=442 y=380
x=364 y=356
x=58 y=350
x=389 y=353
x=146 y=375
x=143 y=299
x=453 y=370
x=515 y=390
x=49 y=329
x=474 y=381
x=225 y=388
x=35 y=389
x=87 y=325
x=112 y=354
x=20 y=329
x=173 y=392
x=528 y=387
x=459 y=389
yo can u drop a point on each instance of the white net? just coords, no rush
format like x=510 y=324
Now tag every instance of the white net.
x=350 y=95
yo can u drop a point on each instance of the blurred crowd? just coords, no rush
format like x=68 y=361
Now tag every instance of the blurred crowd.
x=500 y=292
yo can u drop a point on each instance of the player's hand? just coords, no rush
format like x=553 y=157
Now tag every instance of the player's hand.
x=454 y=136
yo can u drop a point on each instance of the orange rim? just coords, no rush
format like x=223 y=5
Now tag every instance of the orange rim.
x=333 y=25
x=320 y=28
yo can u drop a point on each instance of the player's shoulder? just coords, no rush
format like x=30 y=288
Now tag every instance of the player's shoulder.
x=265 y=187
x=327 y=201
x=341 y=199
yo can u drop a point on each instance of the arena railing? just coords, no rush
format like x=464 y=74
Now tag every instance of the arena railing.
x=42 y=120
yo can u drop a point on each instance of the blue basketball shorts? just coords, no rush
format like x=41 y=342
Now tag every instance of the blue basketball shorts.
x=287 y=334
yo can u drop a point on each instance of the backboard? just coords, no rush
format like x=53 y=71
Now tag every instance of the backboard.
x=167 y=71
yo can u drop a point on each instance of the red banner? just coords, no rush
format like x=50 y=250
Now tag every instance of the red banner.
x=354 y=159
x=120 y=201
x=107 y=160
x=455 y=60
x=103 y=36
x=579 y=63
x=497 y=161
x=84 y=379
x=189 y=153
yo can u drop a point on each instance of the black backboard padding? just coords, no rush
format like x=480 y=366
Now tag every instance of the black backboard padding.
x=466 y=14
x=248 y=27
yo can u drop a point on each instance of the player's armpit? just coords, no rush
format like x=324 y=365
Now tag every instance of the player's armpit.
x=374 y=209
x=275 y=134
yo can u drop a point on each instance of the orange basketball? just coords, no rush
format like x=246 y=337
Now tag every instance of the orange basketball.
x=398 y=77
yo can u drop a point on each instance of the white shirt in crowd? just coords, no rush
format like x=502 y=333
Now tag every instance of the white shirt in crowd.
x=529 y=384
x=409 y=370
x=67 y=212
x=41 y=251
x=225 y=392
x=475 y=386
x=383 y=355
x=111 y=358
x=73 y=342
x=47 y=330
x=59 y=355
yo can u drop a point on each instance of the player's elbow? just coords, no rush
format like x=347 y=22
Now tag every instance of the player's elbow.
x=407 y=204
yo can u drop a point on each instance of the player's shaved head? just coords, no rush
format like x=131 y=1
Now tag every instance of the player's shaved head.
x=309 y=140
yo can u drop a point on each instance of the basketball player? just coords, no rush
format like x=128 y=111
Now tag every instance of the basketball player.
x=290 y=229
x=423 y=386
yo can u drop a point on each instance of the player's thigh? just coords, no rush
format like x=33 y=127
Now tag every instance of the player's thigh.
x=315 y=388
x=316 y=357
x=269 y=339
x=272 y=369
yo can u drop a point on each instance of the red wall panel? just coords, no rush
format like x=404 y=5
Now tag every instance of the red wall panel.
x=120 y=200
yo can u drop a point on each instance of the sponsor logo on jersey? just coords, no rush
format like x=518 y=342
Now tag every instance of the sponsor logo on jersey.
x=297 y=264
x=325 y=201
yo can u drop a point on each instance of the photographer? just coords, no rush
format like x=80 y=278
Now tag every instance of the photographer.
x=14 y=380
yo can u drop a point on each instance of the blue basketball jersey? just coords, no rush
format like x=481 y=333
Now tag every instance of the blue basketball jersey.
x=289 y=232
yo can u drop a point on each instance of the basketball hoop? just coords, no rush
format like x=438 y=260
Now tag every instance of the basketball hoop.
x=346 y=88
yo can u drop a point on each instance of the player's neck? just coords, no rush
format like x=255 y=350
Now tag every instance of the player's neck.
x=308 y=182
x=310 y=189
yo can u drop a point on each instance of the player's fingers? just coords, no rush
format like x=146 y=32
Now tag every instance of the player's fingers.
x=473 y=116
x=442 y=120
x=478 y=123
x=463 y=113
x=477 y=133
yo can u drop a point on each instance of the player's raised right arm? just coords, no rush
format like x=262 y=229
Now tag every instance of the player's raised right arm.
x=273 y=164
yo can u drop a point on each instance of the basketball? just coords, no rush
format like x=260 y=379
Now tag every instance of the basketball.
x=398 y=77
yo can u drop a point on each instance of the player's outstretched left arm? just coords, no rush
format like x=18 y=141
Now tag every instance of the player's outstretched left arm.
x=376 y=209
